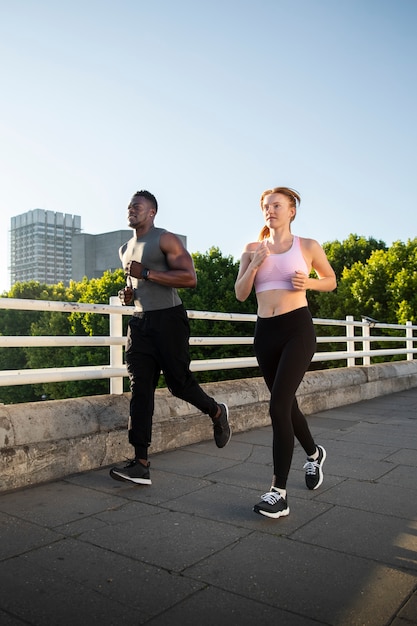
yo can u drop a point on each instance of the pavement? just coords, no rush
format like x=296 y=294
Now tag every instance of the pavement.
x=190 y=550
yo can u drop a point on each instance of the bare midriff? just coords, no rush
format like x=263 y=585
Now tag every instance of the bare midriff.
x=280 y=301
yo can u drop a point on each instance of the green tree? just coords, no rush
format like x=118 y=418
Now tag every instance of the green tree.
x=342 y=255
x=355 y=248
x=384 y=287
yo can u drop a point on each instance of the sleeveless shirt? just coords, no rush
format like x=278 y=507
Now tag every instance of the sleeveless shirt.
x=277 y=269
x=149 y=296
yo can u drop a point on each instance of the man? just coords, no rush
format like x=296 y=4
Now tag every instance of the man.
x=156 y=264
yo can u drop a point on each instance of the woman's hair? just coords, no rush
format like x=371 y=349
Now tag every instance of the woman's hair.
x=292 y=195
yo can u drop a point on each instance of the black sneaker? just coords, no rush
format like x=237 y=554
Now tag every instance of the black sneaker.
x=272 y=504
x=314 y=469
x=133 y=472
x=221 y=427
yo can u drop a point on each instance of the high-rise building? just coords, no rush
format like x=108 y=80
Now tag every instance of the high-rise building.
x=41 y=246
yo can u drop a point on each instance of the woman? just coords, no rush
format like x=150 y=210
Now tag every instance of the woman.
x=278 y=265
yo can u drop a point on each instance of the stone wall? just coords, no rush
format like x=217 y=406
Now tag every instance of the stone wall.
x=42 y=441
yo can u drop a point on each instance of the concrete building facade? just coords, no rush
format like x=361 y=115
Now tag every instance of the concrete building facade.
x=94 y=254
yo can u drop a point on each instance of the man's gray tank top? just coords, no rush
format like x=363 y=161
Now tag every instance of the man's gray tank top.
x=149 y=296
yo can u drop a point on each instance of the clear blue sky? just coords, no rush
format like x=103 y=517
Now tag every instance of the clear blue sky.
x=206 y=104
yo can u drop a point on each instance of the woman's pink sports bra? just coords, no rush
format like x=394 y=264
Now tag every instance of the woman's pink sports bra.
x=277 y=269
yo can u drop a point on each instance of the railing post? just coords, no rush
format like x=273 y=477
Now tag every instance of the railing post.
x=350 y=344
x=366 y=345
x=409 y=344
x=116 y=352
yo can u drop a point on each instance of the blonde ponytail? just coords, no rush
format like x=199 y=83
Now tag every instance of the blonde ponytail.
x=264 y=234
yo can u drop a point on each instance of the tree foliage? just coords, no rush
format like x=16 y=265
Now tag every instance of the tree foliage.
x=342 y=256
x=352 y=250
x=384 y=286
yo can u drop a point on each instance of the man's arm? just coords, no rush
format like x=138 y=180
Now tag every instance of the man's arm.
x=181 y=272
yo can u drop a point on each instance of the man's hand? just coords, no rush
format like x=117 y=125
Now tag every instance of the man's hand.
x=126 y=295
x=135 y=269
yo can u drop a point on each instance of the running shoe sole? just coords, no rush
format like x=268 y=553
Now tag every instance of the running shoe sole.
x=129 y=479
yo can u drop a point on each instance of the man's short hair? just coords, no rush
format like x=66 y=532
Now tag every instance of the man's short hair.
x=149 y=196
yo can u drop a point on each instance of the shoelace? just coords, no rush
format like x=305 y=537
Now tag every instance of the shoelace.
x=129 y=463
x=311 y=467
x=272 y=497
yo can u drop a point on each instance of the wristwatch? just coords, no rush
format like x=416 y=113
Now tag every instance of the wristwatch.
x=145 y=273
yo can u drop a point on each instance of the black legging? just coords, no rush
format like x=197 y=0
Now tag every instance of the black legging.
x=284 y=346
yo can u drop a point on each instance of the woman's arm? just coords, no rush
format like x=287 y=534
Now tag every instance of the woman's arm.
x=314 y=253
x=252 y=258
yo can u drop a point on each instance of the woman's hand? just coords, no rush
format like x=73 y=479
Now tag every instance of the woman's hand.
x=299 y=281
x=260 y=254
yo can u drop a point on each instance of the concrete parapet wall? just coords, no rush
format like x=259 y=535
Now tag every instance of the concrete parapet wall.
x=42 y=441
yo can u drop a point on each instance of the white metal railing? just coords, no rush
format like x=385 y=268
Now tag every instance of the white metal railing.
x=357 y=347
